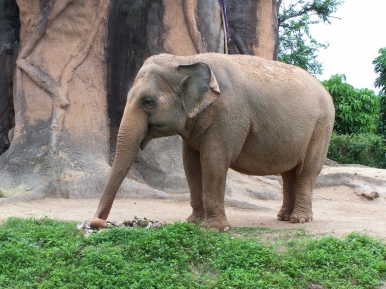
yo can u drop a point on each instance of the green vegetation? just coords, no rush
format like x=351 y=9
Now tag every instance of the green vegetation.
x=380 y=82
x=356 y=110
x=366 y=149
x=359 y=135
x=380 y=68
x=52 y=254
x=296 y=44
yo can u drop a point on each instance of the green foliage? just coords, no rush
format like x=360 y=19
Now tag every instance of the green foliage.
x=382 y=115
x=380 y=68
x=380 y=82
x=52 y=254
x=358 y=116
x=296 y=45
x=356 y=110
x=366 y=149
x=37 y=253
x=346 y=263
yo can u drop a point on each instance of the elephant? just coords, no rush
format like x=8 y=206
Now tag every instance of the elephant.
x=256 y=116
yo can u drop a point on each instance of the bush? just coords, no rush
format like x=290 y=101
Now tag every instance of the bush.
x=356 y=110
x=366 y=149
x=380 y=68
x=381 y=130
x=380 y=82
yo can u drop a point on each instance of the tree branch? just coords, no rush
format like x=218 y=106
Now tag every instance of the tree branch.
x=300 y=13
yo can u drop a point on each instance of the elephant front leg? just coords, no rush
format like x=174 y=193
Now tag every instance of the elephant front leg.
x=214 y=173
x=192 y=167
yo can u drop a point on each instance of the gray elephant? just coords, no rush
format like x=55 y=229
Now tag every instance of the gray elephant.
x=256 y=116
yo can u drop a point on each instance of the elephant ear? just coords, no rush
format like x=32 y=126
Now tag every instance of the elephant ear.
x=198 y=87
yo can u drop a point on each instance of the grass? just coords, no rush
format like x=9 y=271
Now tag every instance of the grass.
x=46 y=253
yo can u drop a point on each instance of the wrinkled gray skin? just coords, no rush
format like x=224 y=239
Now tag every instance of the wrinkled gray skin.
x=255 y=116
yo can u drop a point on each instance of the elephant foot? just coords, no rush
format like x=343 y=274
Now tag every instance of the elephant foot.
x=301 y=217
x=196 y=218
x=98 y=223
x=222 y=226
x=284 y=214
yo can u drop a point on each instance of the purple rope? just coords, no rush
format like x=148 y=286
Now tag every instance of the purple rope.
x=224 y=9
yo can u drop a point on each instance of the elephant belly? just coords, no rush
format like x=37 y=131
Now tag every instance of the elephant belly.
x=268 y=159
x=248 y=166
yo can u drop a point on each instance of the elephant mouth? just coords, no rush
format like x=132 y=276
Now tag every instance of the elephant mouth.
x=145 y=141
x=153 y=131
x=156 y=131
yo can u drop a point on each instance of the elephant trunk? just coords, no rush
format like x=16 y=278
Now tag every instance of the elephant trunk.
x=132 y=131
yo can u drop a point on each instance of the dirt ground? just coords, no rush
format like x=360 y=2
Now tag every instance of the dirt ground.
x=337 y=211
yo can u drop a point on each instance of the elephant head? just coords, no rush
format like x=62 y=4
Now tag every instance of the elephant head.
x=161 y=100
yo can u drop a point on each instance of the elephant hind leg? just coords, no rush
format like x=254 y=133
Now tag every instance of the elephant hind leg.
x=307 y=172
x=289 y=194
x=302 y=211
x=297 y=198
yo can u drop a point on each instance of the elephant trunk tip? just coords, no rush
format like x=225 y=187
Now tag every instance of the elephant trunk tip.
x=98 y=223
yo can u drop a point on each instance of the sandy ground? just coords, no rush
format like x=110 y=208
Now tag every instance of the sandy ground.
x=337 y=211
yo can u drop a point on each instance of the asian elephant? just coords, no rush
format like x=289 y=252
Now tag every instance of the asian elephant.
x=256 y=116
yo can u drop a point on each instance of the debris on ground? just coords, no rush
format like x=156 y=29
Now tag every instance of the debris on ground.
x=366 y=191
x=136 y=222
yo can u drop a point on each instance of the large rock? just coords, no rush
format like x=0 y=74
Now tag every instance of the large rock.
x=160 y=165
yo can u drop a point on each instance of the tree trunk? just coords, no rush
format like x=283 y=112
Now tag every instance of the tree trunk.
x=253 y=27
x=71 y=85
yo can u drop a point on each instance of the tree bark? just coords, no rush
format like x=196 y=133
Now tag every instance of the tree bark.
x=253 y=27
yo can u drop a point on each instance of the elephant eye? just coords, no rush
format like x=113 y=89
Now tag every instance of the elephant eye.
x=148 y=103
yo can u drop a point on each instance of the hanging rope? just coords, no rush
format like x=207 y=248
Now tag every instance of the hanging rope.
x=224 y=10
x=227 y=36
